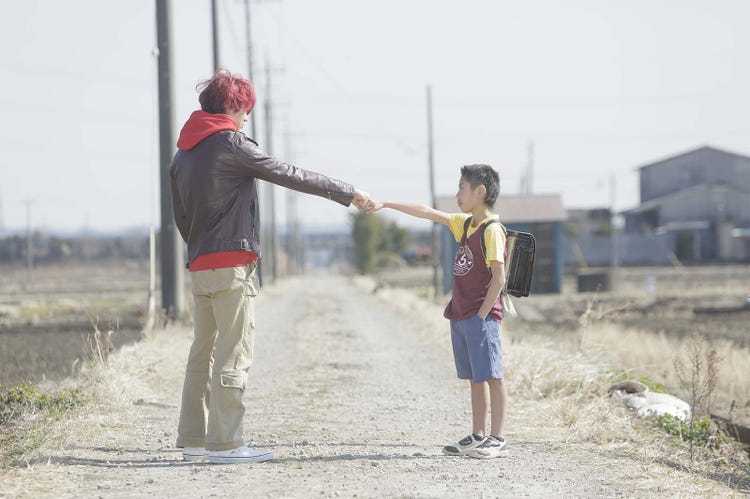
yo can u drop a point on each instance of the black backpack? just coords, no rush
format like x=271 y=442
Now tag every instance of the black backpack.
x=520 y=248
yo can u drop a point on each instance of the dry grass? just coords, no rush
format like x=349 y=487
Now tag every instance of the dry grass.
x=652 y=354
x=561 y=384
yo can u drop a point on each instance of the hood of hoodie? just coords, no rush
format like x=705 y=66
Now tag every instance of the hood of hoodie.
x=202 y=124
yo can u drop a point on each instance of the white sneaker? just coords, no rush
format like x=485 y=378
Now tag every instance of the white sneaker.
x=464 y=446
x=239 y=455
x=194 y=454
x=491 y=448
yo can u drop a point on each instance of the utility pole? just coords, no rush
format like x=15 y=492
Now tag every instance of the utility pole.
x=215 y=33
x=249 y=41
x=433 y=199
x=273 y=236
x=530 y=169
x=613 y=256
x=29 y=243
x=292 y=220
x=85 y=245
x=2 y=233
x=172 y=292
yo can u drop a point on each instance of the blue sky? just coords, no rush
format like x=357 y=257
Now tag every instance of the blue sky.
x=600 y=87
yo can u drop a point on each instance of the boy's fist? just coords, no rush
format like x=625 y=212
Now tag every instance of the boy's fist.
x=361 y=198
x=372 y=206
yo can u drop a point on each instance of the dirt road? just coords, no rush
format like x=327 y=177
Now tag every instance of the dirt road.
x=352 y=399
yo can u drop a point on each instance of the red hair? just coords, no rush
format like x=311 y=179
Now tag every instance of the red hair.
x=226 y=92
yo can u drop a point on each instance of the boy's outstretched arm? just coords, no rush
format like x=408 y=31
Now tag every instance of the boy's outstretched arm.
x=415 y=210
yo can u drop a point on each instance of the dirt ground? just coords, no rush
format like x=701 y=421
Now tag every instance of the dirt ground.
x=355 y=397
x=46 y=321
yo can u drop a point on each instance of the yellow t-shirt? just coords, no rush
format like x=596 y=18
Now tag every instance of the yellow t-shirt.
x=494 y=238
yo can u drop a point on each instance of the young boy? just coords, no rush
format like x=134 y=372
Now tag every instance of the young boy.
x=475 y=309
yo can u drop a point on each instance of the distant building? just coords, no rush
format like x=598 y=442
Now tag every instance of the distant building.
x=542 y=215
x=588 y=238
x=701 y=200
x=588 y=222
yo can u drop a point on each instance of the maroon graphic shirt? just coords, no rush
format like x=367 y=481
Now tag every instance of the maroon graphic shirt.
x=471 y=278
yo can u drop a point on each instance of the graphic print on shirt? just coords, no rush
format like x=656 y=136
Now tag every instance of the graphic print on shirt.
x=464 y=261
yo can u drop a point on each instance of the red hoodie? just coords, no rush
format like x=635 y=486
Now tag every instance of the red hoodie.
x=199 y=126
x=202 y=124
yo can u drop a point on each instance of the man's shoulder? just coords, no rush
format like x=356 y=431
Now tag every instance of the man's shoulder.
x=239 y=137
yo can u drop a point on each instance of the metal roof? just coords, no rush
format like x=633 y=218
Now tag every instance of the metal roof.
x=684 y=193
x=693 y=151
x=518 y=208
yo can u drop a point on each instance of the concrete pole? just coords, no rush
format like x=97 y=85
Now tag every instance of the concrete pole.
x=249 y=41
x=172 y=265
x=29 y=242
x=433 y=199
x=272 y=245
x=215 y=33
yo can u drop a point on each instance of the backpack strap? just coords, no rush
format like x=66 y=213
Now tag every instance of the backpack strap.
x=466 y=227
x=482 y=242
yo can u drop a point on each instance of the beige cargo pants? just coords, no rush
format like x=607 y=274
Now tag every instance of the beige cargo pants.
x=220 y=356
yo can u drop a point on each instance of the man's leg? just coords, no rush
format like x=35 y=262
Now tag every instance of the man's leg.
x=480 y=405
x=498 y=402
x=234 y=309
x=191 y=430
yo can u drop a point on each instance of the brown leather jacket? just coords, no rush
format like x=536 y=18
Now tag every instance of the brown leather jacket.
x=215 y=192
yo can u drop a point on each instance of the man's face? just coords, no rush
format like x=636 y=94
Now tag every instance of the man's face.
x=239 y=117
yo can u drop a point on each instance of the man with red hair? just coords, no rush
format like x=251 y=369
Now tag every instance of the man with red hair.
x=214 y=183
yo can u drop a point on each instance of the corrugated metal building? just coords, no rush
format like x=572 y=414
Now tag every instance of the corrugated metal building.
x=702 y=199
x=542 y=215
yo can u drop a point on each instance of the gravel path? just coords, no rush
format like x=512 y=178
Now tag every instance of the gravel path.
x=349 y=397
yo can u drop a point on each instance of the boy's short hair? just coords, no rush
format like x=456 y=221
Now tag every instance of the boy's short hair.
x=485 y=175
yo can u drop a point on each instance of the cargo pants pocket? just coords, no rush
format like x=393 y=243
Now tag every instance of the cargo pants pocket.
x=249 y=292
x=234 y=378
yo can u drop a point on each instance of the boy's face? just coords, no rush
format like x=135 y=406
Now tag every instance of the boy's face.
x=469 y=198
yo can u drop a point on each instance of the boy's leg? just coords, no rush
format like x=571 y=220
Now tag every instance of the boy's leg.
x=480 y=405
x=459 y=330
x=498 y=402
x=494 y=445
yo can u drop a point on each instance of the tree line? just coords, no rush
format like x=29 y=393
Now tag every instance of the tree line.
x=49 y=248
x=376 y=242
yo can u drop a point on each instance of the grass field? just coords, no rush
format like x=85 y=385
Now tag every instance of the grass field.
x=640 y=326
x=644 y=323
x=45 y=321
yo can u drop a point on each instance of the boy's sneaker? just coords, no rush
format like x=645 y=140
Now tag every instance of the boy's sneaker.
x=491 y=448
x=239 y=455
x=194 y=454
x=464 y=446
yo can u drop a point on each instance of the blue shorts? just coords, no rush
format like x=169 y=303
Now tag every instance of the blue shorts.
x=476 y=349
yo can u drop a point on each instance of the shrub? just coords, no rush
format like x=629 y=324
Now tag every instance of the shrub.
x=700 y=432
x=25 y=399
